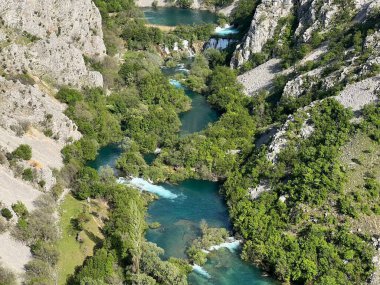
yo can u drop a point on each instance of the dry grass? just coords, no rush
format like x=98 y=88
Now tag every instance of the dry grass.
x=362 y=157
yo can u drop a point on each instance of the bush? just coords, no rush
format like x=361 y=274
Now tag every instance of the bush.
x=69 y=96
x=7 y=277
x=20 y=209
x=38 y=272
x=6 y=213
x=23 y=151
x=28 y=175
x=46 y=252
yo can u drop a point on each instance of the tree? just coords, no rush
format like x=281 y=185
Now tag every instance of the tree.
x=184 y=3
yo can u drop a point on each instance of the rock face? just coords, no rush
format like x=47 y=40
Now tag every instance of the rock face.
x=49 y=38
x=263 y=26
x=314 y=15
x=197 y=4
x=26 y=106
x=42 y=48
x=77 y=22
x=52 y=59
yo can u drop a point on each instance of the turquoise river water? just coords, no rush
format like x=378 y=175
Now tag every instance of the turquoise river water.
x=171 y=16
x=192 y=201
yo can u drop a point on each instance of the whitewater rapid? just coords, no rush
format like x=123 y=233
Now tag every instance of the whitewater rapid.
x=144 y=185
x=226 y=30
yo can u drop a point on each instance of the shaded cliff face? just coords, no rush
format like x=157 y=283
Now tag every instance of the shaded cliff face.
x=42 y=48
x=312 y=16
x=262 y=29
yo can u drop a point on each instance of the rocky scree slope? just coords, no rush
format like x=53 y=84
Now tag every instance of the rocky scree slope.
x=42 y=48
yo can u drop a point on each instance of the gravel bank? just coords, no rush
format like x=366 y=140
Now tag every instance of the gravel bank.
x=260 y=77
x=359 y=94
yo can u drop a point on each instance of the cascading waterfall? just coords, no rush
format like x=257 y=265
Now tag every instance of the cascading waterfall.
x=200 y=270
x=218 y=43
x=232 y=245
x=226 y=30
x=144 y=185
x=175 y=83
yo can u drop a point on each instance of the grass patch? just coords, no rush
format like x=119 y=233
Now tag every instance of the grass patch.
x=364 y=150
x=78 y=243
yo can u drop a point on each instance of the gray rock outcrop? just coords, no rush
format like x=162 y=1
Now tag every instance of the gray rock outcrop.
x=49 y=39
x=77 y=22
x=263 y=26
x=24 y=106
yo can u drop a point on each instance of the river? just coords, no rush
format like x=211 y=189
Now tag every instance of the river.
x=181 y=208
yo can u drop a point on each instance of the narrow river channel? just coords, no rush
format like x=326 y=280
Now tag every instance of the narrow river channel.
x=183 y=206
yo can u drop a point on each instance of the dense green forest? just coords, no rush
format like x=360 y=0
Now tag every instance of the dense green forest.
x=300 y=231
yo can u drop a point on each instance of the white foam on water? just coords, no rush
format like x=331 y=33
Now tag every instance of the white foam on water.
x=219 y=44
x=144 y=185
x=183 y=69
x=231 y=245
x=226 y=30
x=175 y=83
x=200 y=270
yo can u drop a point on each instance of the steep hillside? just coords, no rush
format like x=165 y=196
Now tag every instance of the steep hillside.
x=42 y=47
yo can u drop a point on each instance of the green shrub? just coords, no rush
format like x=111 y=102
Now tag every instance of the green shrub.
x=23 y=151
x=6 y=213
x=69 y=96
x=48 y=133
x=27 y=174
x=20 y=209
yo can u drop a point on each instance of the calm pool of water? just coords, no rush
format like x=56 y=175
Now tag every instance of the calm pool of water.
x=180 y=217
x=171 y=16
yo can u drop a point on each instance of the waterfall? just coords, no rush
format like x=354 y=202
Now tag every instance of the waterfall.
x=226 y=30
x=218 y=43
x=181 y=68
x=144 y=185
x=185 y=44
x=231 y=245
x=175 y=83
x=200 y=270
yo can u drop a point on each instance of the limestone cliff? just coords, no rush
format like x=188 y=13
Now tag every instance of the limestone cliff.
x=49 y=38
x=42 y=48
x=263 y=26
